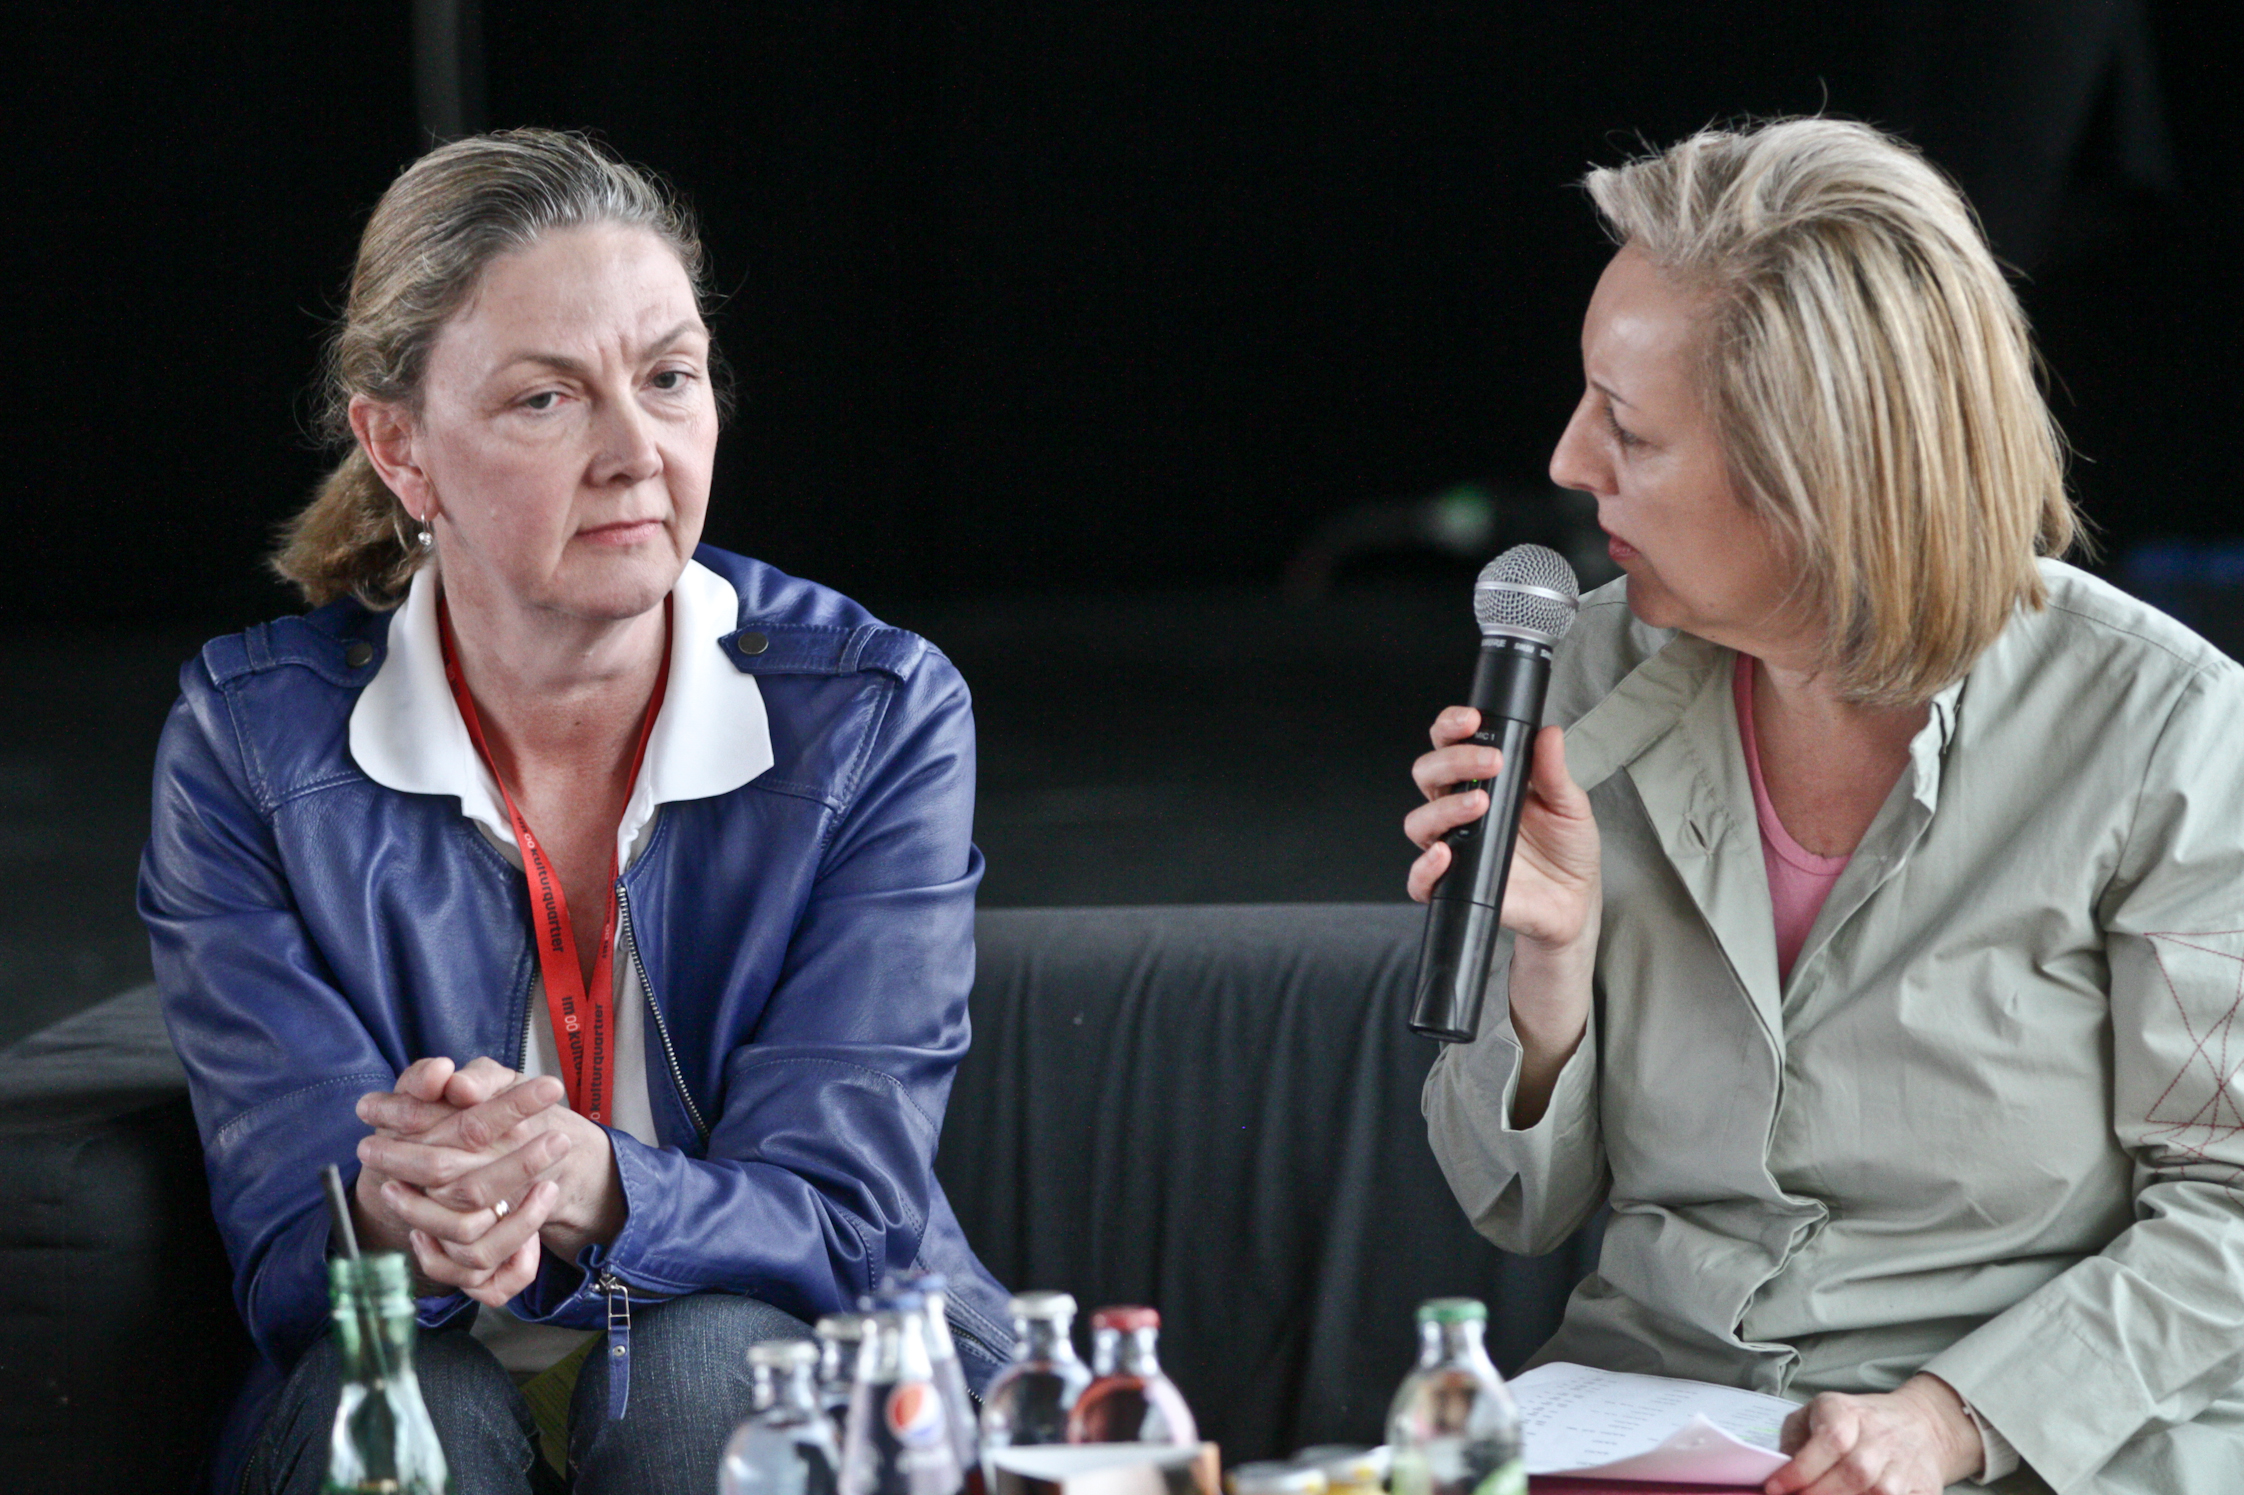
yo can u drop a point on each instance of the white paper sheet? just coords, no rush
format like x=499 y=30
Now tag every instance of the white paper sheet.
x=1611 y=1425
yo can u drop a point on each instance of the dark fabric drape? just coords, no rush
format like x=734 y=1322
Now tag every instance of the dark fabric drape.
x=1215 y=1110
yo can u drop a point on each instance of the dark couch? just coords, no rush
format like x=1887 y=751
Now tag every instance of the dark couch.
x=1214 y=1110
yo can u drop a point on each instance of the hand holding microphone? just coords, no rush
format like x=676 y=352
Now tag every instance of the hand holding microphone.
x=1555 y=859
x=1494 y=780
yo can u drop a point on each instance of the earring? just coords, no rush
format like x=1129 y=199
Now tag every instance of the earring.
x=422 y=538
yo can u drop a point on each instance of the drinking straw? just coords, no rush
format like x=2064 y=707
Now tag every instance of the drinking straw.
x=339 y=1210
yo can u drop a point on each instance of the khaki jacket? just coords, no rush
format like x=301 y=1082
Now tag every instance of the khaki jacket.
x=1988 y=1128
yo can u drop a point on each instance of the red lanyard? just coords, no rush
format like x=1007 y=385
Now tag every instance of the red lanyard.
x=584 y=1020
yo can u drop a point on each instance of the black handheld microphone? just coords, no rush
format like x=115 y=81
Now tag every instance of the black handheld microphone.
x=1525 y=601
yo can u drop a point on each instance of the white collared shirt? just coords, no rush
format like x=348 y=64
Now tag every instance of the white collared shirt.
x=711 y=737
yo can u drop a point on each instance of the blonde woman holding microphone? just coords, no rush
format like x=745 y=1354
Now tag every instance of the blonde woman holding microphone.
x=1874 y=925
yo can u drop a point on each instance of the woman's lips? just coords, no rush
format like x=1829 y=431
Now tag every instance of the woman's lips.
x=623 y=532
x=1619 y=549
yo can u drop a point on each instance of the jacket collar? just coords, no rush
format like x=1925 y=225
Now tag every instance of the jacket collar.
x=711 y=737
x=1671 y=724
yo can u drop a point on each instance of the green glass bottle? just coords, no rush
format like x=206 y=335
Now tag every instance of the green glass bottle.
x=384 y=1443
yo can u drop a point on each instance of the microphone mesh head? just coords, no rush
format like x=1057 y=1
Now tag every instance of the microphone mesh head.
x=1527 y=592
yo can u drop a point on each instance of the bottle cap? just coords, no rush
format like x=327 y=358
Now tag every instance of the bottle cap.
x=1041 y=1305
x=894 y=1300
x=1453 y=1311
x=783 y=1354
x=1345 y=1464
x=1273 y=1478
x=925 y=1282
x=1126 y=1317
x=842 y=1328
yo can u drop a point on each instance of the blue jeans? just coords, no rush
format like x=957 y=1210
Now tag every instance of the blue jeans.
x=689 y=1388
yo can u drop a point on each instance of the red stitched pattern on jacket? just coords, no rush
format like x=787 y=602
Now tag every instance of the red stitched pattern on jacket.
x=2192 y=1130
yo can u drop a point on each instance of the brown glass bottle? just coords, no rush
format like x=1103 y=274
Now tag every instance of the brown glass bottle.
x=1130 y=1400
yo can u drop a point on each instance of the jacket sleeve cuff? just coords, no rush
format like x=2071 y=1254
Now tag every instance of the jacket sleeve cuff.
x=565 y=1294
x=1569 y=1117
x=438 y=1310
x=1525 y=1188
x=1998 y=1457
x=568 y=1294
x=2022 y=1373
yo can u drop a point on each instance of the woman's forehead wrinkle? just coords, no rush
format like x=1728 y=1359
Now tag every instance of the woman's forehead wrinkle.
x=568 y=363
x=573 y=311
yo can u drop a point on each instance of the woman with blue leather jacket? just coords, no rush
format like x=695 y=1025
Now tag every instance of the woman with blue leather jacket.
x=600 y=902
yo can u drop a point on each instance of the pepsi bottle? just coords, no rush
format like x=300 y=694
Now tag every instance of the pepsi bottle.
x=899 y=1440
x=950 y=1376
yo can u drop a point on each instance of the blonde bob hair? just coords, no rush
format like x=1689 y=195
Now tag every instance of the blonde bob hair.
x=1870 y=375
x=445 y=219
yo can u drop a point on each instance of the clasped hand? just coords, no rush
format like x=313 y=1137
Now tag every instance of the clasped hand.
x=477 y=1171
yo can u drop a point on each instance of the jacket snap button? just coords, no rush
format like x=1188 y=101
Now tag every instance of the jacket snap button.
x=359 y=655
x=751 y=643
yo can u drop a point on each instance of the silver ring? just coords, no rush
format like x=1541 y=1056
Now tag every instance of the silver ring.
x=501 y=1209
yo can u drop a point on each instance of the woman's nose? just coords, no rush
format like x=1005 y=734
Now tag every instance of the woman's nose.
x=627 y=452
x=1575 y=461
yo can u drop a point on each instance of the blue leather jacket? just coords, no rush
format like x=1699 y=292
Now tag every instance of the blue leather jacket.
x=807 y=942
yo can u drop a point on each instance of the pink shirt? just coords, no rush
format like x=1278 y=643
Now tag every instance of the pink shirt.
x=1799 y=880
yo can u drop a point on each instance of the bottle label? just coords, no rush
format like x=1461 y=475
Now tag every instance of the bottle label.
x=1509 y=1480
x=914 y=1412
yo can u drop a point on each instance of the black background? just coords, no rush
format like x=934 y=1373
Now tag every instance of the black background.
x=1049 y=297
x=1059 y=330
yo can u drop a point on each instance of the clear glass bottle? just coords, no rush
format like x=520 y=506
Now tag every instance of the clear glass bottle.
x=1129 y=1400
x=1030 y=1399
x=787 y=1445
x=899 y=1440
x=383 y=1443
x=950 y=1376
x=839 y=1336
x=1453 y=1429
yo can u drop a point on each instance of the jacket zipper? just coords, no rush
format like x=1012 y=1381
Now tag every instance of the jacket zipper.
x=619 y=1343
x=976 y=1340
x=529 y=1016
x=654 y=1010
x=619 y=1300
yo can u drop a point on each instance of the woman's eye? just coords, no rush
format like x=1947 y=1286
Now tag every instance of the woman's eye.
x=669 y=380
x=1621 y=433
x=544 y=399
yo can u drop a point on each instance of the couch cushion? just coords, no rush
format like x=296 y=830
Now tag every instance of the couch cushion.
x=119 y=1347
